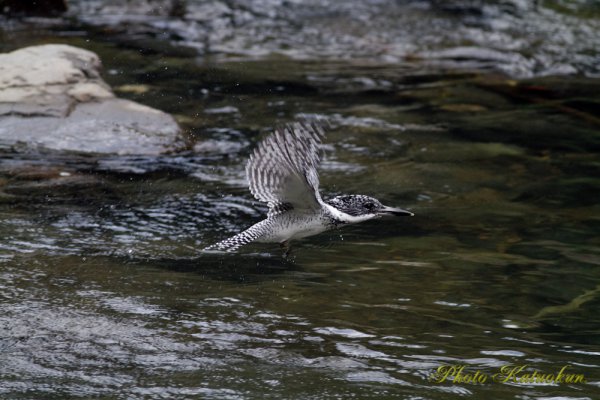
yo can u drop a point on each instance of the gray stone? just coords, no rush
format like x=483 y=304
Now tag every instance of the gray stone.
x=52 y=96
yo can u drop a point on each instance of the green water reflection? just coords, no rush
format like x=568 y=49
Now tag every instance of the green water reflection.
x=106 y=294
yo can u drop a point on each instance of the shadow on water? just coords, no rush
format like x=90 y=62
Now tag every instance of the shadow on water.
x=242 y=268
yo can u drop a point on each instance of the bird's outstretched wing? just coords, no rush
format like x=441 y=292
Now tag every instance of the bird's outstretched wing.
x=282 y=171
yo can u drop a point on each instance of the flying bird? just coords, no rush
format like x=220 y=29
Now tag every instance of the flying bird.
x=282 y=172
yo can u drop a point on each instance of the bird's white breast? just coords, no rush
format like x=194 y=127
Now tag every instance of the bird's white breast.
x=295 y=225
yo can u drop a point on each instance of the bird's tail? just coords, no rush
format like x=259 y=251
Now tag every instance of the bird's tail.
x=251 y=234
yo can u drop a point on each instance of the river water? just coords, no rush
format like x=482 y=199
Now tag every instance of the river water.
x=105 y=292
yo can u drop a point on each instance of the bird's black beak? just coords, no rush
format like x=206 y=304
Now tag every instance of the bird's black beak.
x=396 y=211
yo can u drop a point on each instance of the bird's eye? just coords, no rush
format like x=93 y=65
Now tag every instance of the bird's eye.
x=369 y=206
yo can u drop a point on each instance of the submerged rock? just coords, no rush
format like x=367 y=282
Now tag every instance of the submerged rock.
x=52 y=96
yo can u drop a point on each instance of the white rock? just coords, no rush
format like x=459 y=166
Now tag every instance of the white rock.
x=50 y=64
x=53 y=96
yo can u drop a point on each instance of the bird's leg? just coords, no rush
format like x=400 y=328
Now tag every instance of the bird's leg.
x=286 y=248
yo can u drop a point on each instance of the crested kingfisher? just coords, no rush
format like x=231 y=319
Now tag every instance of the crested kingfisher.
x=282 y=172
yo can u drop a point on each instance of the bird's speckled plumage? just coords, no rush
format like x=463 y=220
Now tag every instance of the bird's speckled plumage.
x=282 y=172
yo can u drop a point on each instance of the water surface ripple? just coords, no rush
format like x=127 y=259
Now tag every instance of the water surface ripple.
x=105 y=292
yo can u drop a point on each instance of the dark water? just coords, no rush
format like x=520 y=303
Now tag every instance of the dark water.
x=106 y=294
